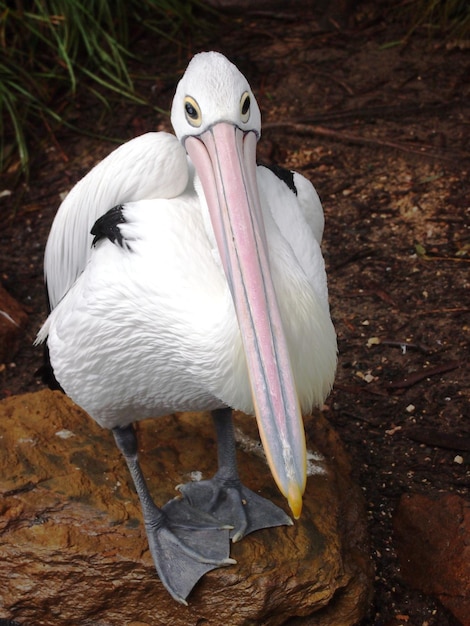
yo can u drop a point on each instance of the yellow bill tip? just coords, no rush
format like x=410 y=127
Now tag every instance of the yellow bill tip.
x=294 y=498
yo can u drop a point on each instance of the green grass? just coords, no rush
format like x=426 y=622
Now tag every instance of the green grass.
x=52 y=48
x=448 y=18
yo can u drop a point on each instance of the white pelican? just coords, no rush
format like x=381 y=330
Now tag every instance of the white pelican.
x=180 y=276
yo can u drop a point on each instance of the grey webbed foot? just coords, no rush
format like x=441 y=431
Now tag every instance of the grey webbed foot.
x=234 y=504
x=224 y=496
x=186 y=544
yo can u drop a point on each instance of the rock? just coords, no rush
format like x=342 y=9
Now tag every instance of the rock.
x=433 y=546
x=13 y=320
x=73 y=548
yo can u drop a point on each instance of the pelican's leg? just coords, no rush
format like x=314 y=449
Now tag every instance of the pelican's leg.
x=224 y=496
x=185 y=543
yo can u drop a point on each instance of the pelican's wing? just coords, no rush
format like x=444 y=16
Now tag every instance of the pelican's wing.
x=310 y=204
x=304 y=192
x=296 y=208
x=153 y=165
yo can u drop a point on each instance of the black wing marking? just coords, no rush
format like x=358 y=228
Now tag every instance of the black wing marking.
x=46 y=373
x=287 y=176
x=107 y=226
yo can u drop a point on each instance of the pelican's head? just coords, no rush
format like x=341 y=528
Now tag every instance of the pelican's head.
x=213 y=90
x=217 y=119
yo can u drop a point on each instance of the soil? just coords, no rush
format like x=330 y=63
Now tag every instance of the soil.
x=379 y=122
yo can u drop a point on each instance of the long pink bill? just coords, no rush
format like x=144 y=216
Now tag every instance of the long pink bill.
x=225 y=160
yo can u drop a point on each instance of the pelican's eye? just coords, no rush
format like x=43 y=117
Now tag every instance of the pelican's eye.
x=245 y=107
x=192 y=111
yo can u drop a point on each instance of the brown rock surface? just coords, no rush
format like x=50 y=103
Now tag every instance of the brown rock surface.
x=433 y=545
x=13 y=320
x=73 y=549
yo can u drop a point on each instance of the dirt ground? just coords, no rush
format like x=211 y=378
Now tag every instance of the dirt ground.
x=382 y=130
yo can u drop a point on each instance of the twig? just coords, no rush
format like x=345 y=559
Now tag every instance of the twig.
x=375 y=289
x=438 y=438
x=441 y=311
x=356 y=256
x=412 y=379
x=344 y=136
x=455 y=259
x=357 y=389
x=334 y=79
x=383 y=111
x=403 y=345
x=369 y=419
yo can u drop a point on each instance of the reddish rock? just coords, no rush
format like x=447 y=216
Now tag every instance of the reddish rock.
x=433 y=545
x=13 y=320
x=73 y=548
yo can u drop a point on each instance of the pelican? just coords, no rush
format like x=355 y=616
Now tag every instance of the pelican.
x=182 y=276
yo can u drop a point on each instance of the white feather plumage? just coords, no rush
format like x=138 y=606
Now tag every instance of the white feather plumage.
x=150 y=327
x=144 y=331
x=150 y=166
